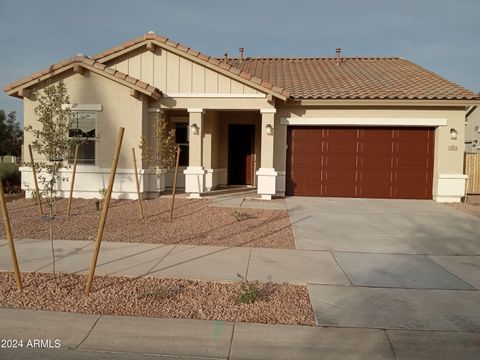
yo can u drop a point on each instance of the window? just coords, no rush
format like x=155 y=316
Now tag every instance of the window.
x=83 y=127
x=181 y=139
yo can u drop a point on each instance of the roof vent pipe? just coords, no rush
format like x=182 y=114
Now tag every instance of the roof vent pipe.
x=241 y=50
x=339 y=56
x=225 y=56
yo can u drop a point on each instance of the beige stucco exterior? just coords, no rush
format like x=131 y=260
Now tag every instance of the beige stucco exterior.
x=211 y=101
x=472 y=131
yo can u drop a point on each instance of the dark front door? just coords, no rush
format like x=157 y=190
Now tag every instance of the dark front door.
x=241 y=154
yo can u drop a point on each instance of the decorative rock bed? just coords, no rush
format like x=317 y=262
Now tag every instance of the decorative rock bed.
x=166 y=297
x=195 y=223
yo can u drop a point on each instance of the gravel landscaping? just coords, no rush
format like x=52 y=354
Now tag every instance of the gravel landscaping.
x=472 y=206
x=172 y=298
x=195 y=223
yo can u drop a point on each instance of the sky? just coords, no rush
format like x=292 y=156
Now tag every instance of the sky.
x=441 y=35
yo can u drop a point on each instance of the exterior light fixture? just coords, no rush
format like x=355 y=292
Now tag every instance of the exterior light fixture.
x=194 y=129
x=269 y=129
x=453 y=134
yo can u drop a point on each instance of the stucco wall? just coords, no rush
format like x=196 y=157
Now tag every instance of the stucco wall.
x=119 y=109
x=472 y=134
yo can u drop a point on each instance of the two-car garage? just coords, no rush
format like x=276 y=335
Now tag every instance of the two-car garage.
x=364 y=162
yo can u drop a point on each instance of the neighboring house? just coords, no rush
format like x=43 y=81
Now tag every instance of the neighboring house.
x=349 y=127
x=472 y=130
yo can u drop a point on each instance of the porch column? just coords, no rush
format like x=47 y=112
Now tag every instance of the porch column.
x=266 y=175
x=195 y=173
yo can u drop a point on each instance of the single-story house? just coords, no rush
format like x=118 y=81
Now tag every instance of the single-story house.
x=472 y=130
x=368 y=127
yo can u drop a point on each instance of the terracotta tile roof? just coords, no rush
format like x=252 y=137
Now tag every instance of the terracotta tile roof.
x=168 y=43
x=354 y=78
x=87 y=63
x=301 y=78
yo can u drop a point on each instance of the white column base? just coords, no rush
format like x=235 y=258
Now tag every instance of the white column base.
x=266 y=181
x=266 y=197
x=450 y=187
x=194 y=181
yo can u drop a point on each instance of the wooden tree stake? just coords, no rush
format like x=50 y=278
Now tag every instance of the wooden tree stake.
x=37 y=190
x=8 y=232
x=73 y=180
x=106 y=203
x=175 y=183
x=138 y=183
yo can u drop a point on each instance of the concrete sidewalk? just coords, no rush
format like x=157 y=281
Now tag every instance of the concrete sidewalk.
x=122 y=337
x=185 y=261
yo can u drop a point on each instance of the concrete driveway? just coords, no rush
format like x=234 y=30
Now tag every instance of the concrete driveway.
x=382 y=226
x=412 y=265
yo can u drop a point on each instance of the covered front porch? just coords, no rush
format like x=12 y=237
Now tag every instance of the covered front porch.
x=221 y=148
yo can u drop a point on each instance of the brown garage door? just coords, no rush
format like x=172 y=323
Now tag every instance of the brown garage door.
x=360 y=162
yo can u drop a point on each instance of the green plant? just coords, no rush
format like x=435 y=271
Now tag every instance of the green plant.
x=249 y=291
x=158 y=293
x=161 y=152
x=11 y=134
x=10 y=175
x=103 y=193
x=240 y=216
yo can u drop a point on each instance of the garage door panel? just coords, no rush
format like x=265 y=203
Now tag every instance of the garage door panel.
x=307 y=162
x=300 y=135
x=375 y=177
x=339 y=175
x=411 y=163
x=375 y=162
x=377 y=147
x=339 y=189
x=373 y=135
x=339 y=147
x=413 y=135
x=340 y=134
x=379 y=191
x=340 y=160
x=361 y=162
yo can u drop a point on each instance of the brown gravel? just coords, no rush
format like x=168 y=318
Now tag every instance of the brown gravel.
x=472 y=206
x=195 y=223
x=173 y=298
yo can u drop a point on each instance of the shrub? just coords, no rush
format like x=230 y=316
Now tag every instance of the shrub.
x=10 y=176
x=240 y=216
x=249 y=291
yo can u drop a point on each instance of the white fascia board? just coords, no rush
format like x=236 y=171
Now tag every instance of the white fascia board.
x=213 y=95
x=365 y=121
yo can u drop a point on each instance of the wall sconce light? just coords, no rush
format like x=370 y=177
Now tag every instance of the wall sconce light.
x=194 y=129
x=269 y=129
x=453 y=134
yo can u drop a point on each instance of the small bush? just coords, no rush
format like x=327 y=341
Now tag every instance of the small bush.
x=10 y=176
x=159 y=293
x=240 y=216
x=249 y=291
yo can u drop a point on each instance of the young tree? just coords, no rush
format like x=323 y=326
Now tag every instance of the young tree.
x=52 y=143
x=161 y=154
